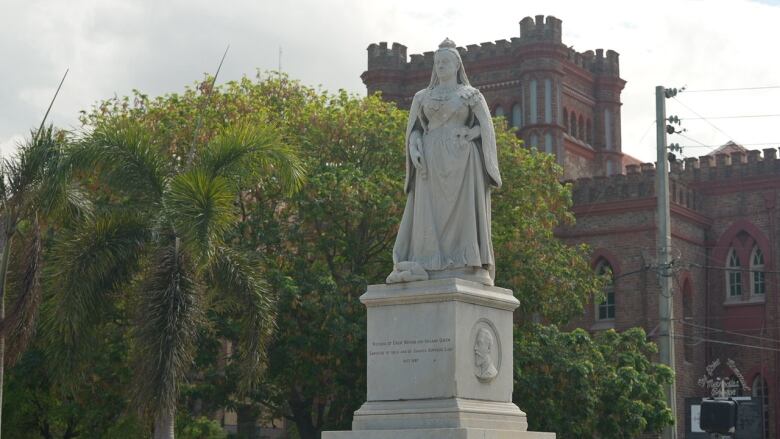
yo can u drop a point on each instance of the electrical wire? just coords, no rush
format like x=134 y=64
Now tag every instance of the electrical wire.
x=748 y=116
x=701 y=145
x=647 y=130
x=710 y=340
x=736 y=269
x=766 y=87
x=708 y=328
x=703 y=118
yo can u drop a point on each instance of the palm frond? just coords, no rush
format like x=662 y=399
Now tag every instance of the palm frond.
x=248 y=153
x=58 y=195
x=87 y=264
x=24 y=171
x=126 y=158
x=201 y=208
x=170 y=314
x=25 y=288
x=236 y=278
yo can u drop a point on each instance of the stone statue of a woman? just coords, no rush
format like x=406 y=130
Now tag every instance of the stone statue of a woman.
x=451 y=164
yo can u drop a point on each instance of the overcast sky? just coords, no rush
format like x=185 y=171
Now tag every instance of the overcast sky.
x=114 y=46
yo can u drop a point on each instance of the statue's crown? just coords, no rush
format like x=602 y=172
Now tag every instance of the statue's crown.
x=447 y=44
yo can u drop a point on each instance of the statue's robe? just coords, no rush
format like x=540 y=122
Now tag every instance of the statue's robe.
x=446 y=222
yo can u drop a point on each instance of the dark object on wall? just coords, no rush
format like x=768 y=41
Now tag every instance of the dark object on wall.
x=718 y=415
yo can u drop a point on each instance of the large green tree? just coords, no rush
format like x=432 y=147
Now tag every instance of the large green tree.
x=324 y=245
x=582 y=387
x=160 y=240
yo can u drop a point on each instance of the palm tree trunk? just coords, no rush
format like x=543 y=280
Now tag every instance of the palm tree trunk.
x=3 y=270
x=163 y=425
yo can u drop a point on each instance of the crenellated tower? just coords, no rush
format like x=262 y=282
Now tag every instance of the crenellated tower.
x=560 y=100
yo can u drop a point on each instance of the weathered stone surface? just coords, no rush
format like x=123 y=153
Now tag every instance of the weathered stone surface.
x=451 y=166
x=422 y=336
x=438 y=433
x=439 y=363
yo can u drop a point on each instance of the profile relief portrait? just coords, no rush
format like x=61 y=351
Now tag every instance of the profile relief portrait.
x=485 y=368
x=451 y=166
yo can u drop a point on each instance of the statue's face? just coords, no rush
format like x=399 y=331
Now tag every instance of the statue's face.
x=481 y=349
x=446 y=64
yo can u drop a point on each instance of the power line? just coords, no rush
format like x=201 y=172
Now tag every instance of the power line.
x=709 y=328
x=746 y=116
x=767 y=87
x=736 y=269
x=709 y=340
x=703 y=118
x=701 y=145
x=647 y=130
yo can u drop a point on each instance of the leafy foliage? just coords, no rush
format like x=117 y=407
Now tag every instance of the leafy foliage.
x=160 y=236
x=551 y=279
x=93 y=407
x=35 y=187
x=220 y=228
x=583 y=387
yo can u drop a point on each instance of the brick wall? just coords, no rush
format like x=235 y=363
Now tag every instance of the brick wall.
x=585 y=83
x=717 y=203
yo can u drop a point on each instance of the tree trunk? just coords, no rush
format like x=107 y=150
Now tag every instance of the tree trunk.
x=247 y=421
x=301 y=412
x=3 y=271
x=163 y=425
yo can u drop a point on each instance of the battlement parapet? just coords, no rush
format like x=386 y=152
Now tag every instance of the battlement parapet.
x=380 y=56
x=540 y=29
x=638 y=182
x=596 y=62
x=536 y=30
x=737 y=165
x=684 y=176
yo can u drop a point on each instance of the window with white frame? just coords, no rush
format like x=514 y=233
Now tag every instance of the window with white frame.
x=733 y=274
x=606 y=309
x=757 y=274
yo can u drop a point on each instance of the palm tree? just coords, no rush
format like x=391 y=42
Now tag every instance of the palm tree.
x=159 y=238
x=35 y=186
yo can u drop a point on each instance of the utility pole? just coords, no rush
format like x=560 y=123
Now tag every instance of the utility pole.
x=665 y=301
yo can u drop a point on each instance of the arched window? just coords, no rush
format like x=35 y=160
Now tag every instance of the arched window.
x=606 y=309
x=566 y=120
x=548 y=143
x=761 y=391
x=534 y=141
x=757 y=275
x=733 y=274
x=534 y=109
x=588 y=132
x=573 y=124
x=499 y=111
x=517 y=115
x=581 y=127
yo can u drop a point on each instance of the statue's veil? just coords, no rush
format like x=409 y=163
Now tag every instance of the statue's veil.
x=449 y=46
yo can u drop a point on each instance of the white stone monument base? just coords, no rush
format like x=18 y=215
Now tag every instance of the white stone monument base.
x=439 y=360
x=437 y=433
x=439 y=413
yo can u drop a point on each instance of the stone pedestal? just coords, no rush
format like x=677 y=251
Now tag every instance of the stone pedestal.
x=439 y=364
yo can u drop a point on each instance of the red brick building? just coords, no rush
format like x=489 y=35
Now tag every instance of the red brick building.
x=562 y=101
x=724 y=206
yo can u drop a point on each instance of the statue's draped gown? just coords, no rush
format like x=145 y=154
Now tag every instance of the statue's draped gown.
x=446 y=222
